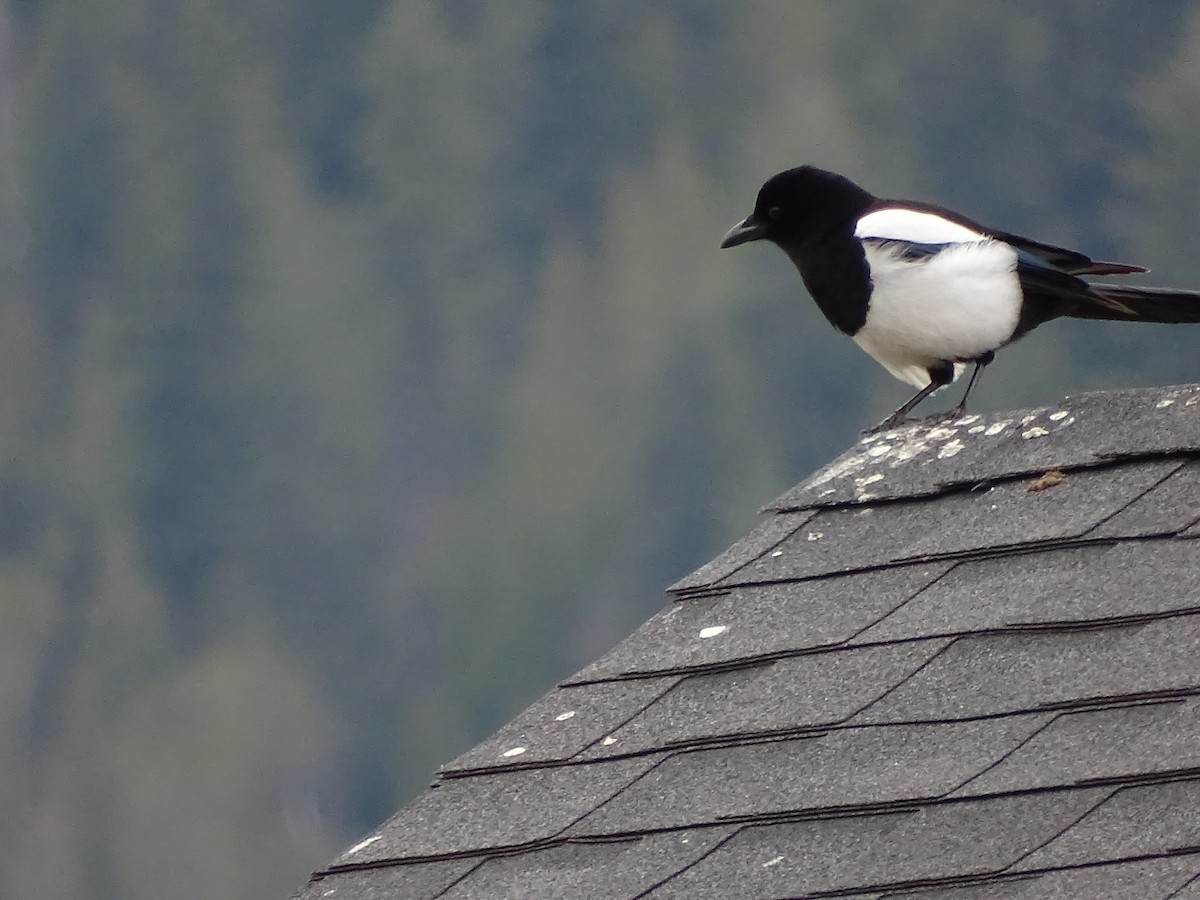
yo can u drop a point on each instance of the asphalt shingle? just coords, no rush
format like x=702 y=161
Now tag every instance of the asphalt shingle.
x=562 y=724
x=987 y=675
x=413 y=881
x=1148 y=879
x=759 y=622
x=766 y=535
x=585 y=871
x=1081 y=585
x=494 y=811
x=929 y=843
x=846 y=769
x=1169 y=507
x=1105 y=745
x=793 y=694
x=1147 y=820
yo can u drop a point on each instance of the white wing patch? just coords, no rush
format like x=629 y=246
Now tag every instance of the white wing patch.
x=899 y=224
x=950 y=307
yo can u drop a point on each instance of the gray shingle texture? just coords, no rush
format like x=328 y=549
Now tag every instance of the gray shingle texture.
x=961 y=662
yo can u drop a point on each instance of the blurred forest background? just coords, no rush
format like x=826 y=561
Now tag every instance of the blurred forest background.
x=369 y=365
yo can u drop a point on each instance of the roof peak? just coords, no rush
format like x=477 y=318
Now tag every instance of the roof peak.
x=924 y=458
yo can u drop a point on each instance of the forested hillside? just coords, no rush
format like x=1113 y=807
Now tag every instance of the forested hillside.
x=368 y=366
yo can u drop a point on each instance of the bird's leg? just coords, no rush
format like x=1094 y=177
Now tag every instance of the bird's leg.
x=980 y=361
x=939 y=376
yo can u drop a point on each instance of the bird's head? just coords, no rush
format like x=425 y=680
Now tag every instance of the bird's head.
x=798 y=204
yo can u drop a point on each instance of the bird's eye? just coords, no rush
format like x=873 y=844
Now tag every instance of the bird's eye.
x=774 y=212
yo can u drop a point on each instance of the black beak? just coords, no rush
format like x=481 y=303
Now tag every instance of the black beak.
x=749 y=229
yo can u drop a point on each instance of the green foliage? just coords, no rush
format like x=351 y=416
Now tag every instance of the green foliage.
x=369 y=366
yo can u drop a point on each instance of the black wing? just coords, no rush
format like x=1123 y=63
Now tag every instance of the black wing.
x=1050 y=292
x=1070 y=261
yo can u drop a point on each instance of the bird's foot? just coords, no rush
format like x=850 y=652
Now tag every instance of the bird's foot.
x=895 y=420
x=942 y=417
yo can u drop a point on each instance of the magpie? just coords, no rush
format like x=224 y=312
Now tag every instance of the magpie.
x=925 y=290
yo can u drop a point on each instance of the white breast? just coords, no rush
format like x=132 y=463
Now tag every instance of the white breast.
x=952 y=306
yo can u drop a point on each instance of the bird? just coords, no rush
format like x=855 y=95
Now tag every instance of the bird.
x=924 y=290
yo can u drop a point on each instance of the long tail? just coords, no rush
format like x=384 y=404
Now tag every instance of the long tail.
x=1140 y=304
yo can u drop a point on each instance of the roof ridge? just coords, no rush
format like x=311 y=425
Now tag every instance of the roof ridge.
x=1082 y=431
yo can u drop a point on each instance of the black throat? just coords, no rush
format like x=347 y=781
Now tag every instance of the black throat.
x=835 y=271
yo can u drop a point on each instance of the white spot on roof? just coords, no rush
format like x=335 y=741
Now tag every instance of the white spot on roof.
x=563 y=716
x=868 y=479
x=815 y=535
x=951 y=448
x=777 y=553
x=712 y=631
x=330 y=892
x=772 y=862
x=608 y=741
x=1164 y=403
x=1034 y=432
x=515 y=751
x=875 y=454
x=1059 y=416
x=911 y=449
x=844 y=467
x=364 y=844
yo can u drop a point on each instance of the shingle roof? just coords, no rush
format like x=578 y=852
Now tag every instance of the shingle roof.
x=961 y=661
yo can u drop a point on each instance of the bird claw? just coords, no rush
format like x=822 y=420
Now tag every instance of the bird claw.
x=948 y=416
x=892 y=421
x=895 y=420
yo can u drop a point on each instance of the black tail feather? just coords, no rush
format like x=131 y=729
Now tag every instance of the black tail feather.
x=1140 y=304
